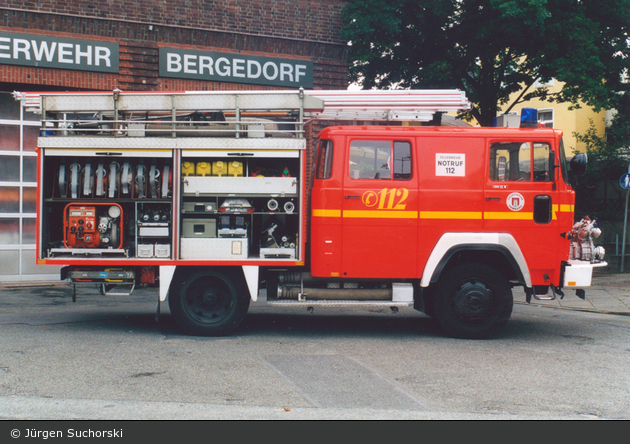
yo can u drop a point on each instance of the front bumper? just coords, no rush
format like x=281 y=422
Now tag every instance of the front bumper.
x=579 y=274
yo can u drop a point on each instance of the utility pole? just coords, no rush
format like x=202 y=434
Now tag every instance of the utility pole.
x=625 y=184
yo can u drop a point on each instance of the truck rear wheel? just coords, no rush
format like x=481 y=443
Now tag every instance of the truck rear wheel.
x=210 y=302
x=473 y=301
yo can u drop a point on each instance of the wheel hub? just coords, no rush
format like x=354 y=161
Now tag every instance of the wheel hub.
x=209 y=300
x=471 y=303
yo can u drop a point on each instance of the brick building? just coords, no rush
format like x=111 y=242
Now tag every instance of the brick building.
x=150 y=45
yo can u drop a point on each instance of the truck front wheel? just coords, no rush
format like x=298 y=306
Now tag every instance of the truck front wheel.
x=210 y=302
x=473 y=301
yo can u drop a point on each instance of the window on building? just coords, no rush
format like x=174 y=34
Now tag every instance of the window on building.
x=545 y=116
x=540 y=84
x=18 y=192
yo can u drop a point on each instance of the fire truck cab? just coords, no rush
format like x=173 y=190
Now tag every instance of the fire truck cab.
x=461 y=214
x=216 y=198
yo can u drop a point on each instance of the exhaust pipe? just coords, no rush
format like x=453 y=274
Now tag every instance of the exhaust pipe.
x=355 y=294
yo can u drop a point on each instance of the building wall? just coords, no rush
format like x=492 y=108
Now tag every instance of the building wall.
x=314 y=20
x=301 y=30
x=307 y=30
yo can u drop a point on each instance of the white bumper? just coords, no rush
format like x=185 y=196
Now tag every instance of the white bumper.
x=579 y=274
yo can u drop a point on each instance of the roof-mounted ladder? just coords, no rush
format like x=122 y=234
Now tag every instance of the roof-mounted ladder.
x=122 y=119
x=384 y=105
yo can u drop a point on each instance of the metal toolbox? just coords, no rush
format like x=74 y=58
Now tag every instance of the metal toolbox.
x=154 y=229
x=162 y=250
x=199 y=228
x=199 y=207
x=145 y=250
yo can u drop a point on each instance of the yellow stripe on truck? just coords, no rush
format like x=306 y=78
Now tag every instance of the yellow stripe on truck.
x=393 y=214
x=327 y=213
x=380 y=214
x=450 y=215
x=462 y=215
x=511 y=216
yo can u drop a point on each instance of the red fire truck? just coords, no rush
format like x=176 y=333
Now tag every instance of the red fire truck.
x=215 y=197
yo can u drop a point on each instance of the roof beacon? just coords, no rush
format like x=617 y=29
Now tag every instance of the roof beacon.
x=529 y=118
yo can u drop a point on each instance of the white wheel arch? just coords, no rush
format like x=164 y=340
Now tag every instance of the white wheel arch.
x=449 y=241
x=168 y=271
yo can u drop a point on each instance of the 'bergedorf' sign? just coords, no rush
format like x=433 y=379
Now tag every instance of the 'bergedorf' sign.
x=55 y=52
x=235 y=68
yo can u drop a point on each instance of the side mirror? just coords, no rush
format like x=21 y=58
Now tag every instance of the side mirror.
x=552 y=164
x=578 y=163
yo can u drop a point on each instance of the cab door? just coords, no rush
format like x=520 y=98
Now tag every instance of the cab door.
x=521 y=199
x=379 y=210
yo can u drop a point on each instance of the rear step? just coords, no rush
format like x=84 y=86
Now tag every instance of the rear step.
x=105 y=292
x=111 y=282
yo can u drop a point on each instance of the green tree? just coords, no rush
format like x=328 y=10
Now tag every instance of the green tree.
x=492 y=49
x=598 y=192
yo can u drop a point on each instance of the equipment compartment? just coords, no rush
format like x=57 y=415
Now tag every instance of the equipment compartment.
x=105 y=206
x=154 y=229
x=194 y=175
x=212 y=176
x=107 y=178
x=88 y=228
x=224 y=198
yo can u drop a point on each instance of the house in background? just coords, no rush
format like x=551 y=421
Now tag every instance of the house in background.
x=605 y=195
x=550 y=114
x=563 y=117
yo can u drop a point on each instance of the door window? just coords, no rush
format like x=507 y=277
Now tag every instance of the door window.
x=510 y=161
x=516 y=161
x=324 y=160
x=543 y=159
x=380 y=160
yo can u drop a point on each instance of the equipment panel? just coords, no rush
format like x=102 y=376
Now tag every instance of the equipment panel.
x=106 y=205
x=170 y=205
x=240 y=208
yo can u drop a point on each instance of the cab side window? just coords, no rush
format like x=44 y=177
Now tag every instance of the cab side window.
x=402 y=161
x=543 y=160
x=324 y=160
x=380 y=160
x=520 y=161
x=510 y=161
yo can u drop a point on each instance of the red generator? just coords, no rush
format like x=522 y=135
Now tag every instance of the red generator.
x=93 y=226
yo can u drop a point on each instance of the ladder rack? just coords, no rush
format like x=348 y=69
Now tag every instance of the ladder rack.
x=396 y=105
x=236 y=114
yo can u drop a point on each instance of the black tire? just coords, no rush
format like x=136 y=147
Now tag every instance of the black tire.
x=473 y=301
x=209 y=302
